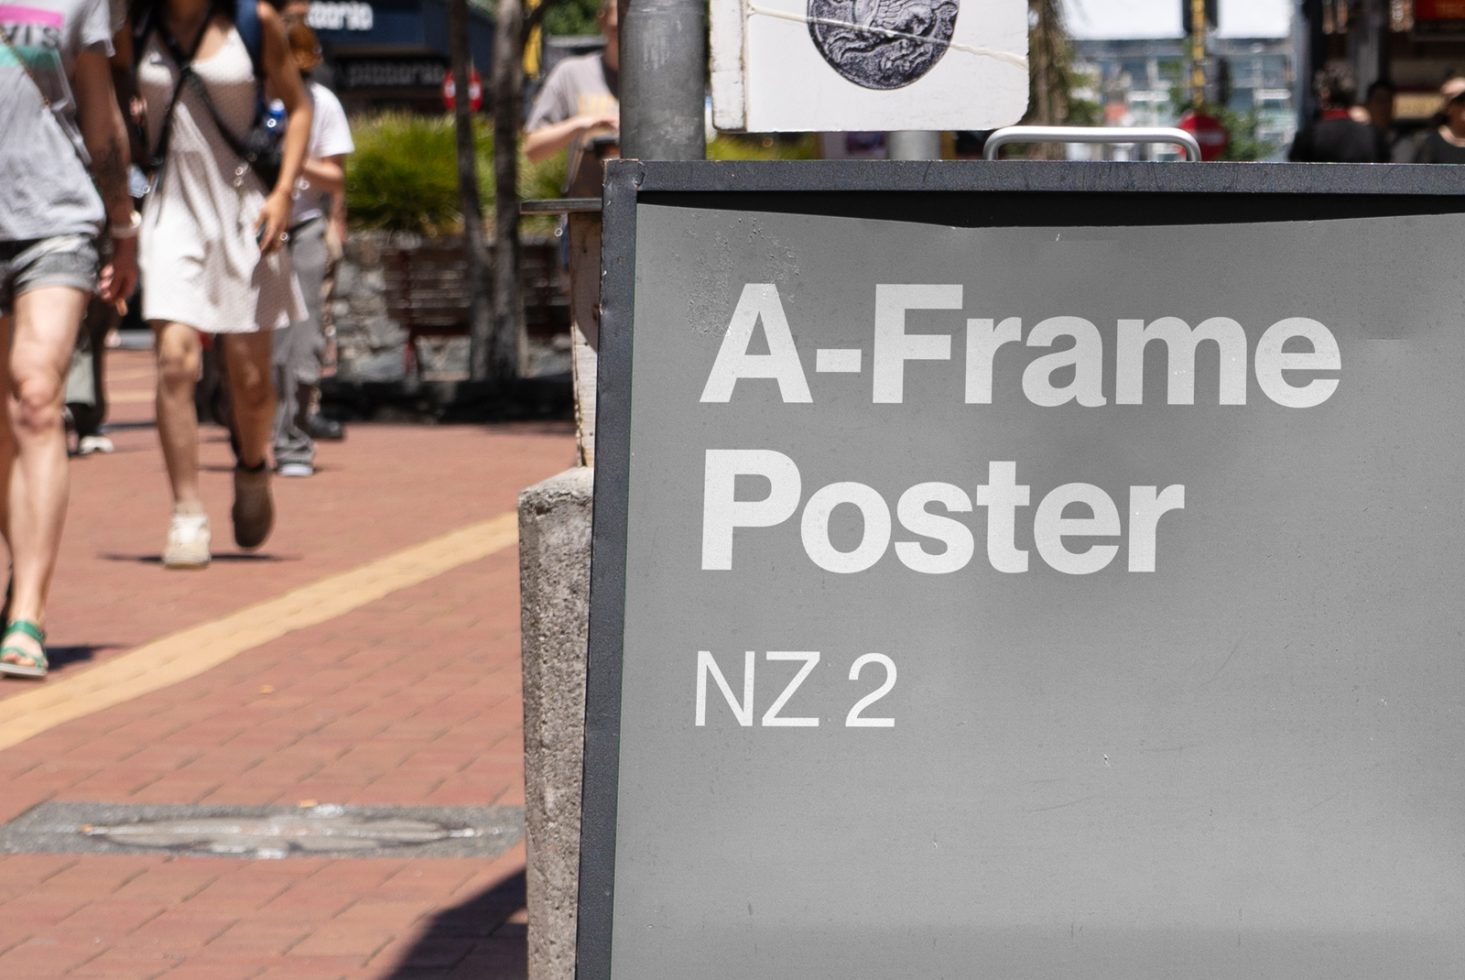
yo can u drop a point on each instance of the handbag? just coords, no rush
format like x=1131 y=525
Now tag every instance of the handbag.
x=261 y=148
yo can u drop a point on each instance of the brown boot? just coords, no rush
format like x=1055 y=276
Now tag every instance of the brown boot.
x=254 y=511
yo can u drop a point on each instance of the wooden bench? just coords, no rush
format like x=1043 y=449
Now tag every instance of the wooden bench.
x=427 y=292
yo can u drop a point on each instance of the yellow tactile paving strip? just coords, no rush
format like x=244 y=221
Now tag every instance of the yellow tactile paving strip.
x=189 y=653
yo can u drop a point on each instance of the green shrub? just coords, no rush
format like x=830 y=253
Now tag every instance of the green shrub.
x=404 y=173
x=541 y=181
x=752 y=146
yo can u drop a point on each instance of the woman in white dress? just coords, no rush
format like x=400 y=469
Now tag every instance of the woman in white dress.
x=211 y=256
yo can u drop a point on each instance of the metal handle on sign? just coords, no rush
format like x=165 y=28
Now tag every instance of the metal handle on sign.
x=1092 y=134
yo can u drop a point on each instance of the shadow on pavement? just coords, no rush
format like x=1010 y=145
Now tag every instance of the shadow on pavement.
x=228 y=557
x=473 y=938
x=77 y=653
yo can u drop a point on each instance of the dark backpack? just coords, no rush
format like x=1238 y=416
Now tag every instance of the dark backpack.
x=246 y=22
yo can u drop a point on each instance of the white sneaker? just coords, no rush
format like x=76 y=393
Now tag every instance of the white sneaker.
x=296 y=470
x=188 y=542
x=95 y=444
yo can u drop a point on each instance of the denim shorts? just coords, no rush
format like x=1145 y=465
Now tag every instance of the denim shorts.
x=66 y=260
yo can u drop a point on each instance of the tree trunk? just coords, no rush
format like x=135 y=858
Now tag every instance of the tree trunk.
x=475 y=249
x=1049 y=60
x=506 y=330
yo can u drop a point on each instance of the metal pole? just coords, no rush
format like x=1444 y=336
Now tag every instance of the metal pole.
x=915 y=145
x=663 y=79
x=1197 y=52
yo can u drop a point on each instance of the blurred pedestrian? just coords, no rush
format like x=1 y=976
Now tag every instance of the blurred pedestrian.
x=213 y=237
x=1444 y=140
x=579 y=103
x=86 y=391
x=1379 y=104
x=578 y=109
x=321 y=427
x=1336 y=137
x=299 y=350
x=62 y=133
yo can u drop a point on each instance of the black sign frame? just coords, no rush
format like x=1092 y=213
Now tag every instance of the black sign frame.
x=974 y=193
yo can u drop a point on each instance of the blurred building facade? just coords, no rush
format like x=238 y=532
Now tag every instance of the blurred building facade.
x=394 y=54
x=1415 y=44
x=1139 y=81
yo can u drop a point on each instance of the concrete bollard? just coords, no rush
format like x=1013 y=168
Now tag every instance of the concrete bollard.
x=554 y=605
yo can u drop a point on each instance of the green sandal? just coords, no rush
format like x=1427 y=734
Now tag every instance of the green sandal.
x=36 y=665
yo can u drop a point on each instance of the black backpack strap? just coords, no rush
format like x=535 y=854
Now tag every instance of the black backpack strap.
x=147 y=28
x=252 y=156
x=235 y=143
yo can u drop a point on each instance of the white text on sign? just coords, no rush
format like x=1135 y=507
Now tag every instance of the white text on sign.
x=1002 y=497
x=1286 y=362
x=1078 y=359
x=743 y=705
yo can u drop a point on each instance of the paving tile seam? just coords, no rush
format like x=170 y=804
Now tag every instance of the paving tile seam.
x=132 y=398
x=193 y=651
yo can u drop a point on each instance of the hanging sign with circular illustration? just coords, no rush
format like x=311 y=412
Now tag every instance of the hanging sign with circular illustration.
x=868 y=65
x=882 y=44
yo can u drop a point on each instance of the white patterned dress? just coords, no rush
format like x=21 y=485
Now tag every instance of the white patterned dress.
x=199 y=260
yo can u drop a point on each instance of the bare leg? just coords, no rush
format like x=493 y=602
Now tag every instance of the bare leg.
x=252 y=392
x=33 y=457
x=179 y=352
x=7 y=445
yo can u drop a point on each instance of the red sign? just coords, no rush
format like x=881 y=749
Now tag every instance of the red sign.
x=1439 y=9
x=1209 y=132
x=475 y=90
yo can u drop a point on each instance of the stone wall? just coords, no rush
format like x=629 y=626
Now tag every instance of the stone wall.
x=371 y=341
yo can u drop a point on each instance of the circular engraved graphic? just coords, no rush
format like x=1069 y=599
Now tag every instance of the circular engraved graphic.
x=882 y=44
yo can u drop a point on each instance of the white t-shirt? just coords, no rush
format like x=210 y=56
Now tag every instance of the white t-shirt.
x=330 y=136
x=45 y=187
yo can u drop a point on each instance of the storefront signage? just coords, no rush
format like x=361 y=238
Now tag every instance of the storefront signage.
x=391 y=73
x=397 y=32
x=1027 y=570
x=328 y=15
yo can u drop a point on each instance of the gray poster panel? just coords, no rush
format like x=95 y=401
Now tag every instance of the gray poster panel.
x=1209 y=731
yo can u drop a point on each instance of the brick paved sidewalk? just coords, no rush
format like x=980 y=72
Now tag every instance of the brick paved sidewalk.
x=402 y=691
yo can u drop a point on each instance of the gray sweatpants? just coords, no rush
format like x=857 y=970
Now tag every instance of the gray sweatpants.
x=298 y=348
